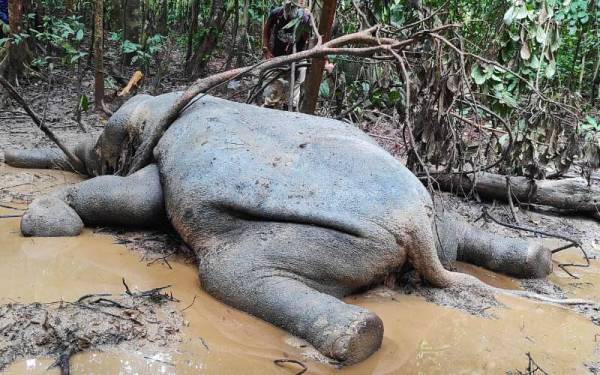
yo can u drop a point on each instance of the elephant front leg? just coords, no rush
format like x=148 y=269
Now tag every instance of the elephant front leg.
x=133 y=201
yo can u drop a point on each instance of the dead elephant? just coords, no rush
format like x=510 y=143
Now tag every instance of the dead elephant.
x=286 y=212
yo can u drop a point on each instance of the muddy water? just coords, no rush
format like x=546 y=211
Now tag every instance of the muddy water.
x=420 y=337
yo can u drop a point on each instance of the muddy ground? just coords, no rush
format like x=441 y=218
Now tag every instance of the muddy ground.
x=31 y=328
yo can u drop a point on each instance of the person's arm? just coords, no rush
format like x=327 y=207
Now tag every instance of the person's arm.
x=267 y=53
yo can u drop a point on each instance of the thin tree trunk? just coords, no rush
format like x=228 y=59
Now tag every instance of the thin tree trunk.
x=243 y=42
x=315 y=74
x=193 y=29
x=163 y=17
x=98 y=55
x=234 y=42
x=132 y=24
x=18 y=54
x=215 y=23
x=116 y=18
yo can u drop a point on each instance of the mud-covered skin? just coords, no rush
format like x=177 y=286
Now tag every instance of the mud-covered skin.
x=287 y=213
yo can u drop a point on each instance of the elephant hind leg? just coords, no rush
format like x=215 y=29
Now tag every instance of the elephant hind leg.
x=133 y=201
x=244 y=274
x=512 y=256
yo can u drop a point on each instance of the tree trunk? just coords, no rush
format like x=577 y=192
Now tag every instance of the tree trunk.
x=18 y=54
x=98 y=55
x=116 y=12
x=214 y=25
x=234 y=43
x=69 y=7
x=315 y=74
x=193 y=29
x=568 y=194
x=133 y=20
x=243 y=41
x=163 y=17
x=132 y=24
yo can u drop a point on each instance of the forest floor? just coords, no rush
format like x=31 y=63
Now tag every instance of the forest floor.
x=57 y=101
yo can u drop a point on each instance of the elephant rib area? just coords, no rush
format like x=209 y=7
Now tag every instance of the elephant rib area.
x=223 y=161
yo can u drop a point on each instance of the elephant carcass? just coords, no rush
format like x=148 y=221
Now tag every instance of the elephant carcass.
x=286 y=212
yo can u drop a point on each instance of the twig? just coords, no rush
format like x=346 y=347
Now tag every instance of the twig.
x=163 y=258
x=510 y=200
x=190 y=305
x=204 y=343
x=280 y=362
x=127 y=290
x=361 y=13
x=160 y=361
x=11 y=207
x=532 y=367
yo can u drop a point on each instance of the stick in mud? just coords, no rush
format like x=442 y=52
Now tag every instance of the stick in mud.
x=280 y=362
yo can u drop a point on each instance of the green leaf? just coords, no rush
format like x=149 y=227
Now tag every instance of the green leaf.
x=366 y=87
x=324 y=89
x=84 y=103
x=509 y=16
x=525 y=52
x=592 y=121
x=79 y=35
x=540 y=35
x=477 y=75
x=521 y=12
x=393 y=96
x=551 y=69
x=506 y=98
x=555 y=44
x=534 y=63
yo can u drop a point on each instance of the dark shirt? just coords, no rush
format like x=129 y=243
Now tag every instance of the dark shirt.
x=4 y=11
x=281 y=41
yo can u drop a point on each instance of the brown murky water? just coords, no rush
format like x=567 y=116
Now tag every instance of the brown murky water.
x=420 y=337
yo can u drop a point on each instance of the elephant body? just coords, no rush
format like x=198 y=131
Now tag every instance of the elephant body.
x=286 y=212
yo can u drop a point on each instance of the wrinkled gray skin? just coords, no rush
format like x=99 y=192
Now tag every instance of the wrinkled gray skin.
x=286 y=212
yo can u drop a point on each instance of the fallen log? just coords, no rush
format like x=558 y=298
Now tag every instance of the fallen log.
x=572 y=194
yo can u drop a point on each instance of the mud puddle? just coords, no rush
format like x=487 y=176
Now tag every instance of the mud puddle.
x=420 y=337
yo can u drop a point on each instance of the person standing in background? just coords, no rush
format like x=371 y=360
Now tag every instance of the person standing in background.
x=282 y=37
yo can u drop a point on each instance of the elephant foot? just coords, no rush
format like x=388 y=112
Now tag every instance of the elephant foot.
x=50 y=217
x=357 y=341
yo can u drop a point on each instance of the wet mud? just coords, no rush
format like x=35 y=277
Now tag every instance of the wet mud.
x=420 y=337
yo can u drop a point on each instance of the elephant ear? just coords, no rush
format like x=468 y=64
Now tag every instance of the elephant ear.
x=127 y=129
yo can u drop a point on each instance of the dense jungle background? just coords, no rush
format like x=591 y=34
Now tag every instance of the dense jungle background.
x=504 y=86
